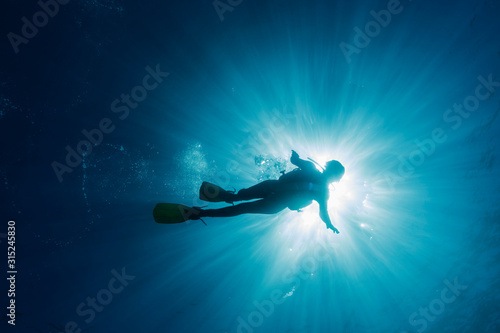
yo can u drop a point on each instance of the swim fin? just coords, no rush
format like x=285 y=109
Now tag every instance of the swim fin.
x=213 y=193
x=175 y=213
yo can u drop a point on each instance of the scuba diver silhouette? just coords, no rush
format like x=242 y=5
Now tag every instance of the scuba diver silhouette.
x=295 y=190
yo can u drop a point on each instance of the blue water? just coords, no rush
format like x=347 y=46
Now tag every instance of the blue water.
x=236 y=89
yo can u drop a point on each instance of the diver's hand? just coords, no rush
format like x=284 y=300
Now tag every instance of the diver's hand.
x=331 y=227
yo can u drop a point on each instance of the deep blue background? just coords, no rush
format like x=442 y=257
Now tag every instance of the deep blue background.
x=269 y=78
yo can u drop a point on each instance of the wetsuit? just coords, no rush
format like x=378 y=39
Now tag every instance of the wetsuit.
x=295 y=190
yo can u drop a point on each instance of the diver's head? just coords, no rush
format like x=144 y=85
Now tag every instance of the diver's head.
x=334 y=171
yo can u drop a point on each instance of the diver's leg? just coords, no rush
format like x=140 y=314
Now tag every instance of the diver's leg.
x=264 y=206
x=258 y=191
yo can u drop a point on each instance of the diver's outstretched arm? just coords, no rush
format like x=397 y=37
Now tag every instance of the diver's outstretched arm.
x=323 y=213
x=303 y=164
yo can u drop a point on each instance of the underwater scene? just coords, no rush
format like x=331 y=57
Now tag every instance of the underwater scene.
x=237 y=166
